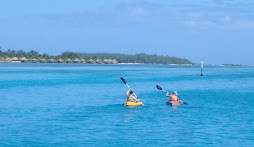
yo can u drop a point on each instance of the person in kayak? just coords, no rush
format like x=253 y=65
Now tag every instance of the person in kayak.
x=131 y=97
x=173 y=96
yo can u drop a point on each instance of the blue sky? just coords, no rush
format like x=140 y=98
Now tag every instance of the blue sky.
x=216 y=31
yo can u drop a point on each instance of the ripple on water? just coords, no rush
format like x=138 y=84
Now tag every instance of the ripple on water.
x=80 y=105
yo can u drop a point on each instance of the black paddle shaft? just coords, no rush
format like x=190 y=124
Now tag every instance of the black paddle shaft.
x=127 y=85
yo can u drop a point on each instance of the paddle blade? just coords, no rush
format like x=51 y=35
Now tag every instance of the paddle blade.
x=158 y=87
x=123 y=80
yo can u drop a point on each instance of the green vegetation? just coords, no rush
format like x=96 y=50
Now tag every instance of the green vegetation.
x=70 y=55
x=34 y=54
x=121 y=58
x=138 y=58
x=20 y=53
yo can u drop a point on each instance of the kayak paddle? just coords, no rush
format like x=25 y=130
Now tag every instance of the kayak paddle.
x=158 y=87
x=129 y=87
x=125 y=82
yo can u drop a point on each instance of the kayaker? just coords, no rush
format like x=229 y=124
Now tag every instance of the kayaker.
x=173 y=96
x=131 y=97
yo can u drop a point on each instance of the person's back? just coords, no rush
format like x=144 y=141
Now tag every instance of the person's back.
x=173 y=96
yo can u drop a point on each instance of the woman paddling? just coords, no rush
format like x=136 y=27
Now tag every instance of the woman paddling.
x=131 y=97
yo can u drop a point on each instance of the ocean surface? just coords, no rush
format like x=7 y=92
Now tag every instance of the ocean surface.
x=82 y=105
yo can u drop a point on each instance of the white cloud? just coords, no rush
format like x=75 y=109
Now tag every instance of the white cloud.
x=139 y=12
x=216 y=14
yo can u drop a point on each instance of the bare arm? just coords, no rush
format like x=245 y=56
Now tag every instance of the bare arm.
x=136 y=99
x=128 y=92
x=167 y=95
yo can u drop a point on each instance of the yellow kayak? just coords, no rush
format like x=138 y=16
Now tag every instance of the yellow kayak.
x=130 y=103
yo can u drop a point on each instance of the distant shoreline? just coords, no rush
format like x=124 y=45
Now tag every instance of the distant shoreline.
x=198 y=65
x=92 y=63
x=94 y=58
x=131 y=63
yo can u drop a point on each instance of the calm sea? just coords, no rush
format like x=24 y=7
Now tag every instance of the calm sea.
x=81 y=105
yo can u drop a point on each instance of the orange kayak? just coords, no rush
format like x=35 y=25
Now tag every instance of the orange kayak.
x=173 y=103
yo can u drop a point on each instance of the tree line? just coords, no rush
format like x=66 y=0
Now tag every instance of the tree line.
x=34 y=54
x=138 y=58
x=121 y=58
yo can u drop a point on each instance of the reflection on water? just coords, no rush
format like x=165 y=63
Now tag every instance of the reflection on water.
x=130 y=112
x=174 y=106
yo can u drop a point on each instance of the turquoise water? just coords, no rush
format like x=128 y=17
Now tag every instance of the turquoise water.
x=81 y=105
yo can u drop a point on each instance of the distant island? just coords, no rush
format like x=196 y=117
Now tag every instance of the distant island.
x=231 y=65
x=32 y=56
